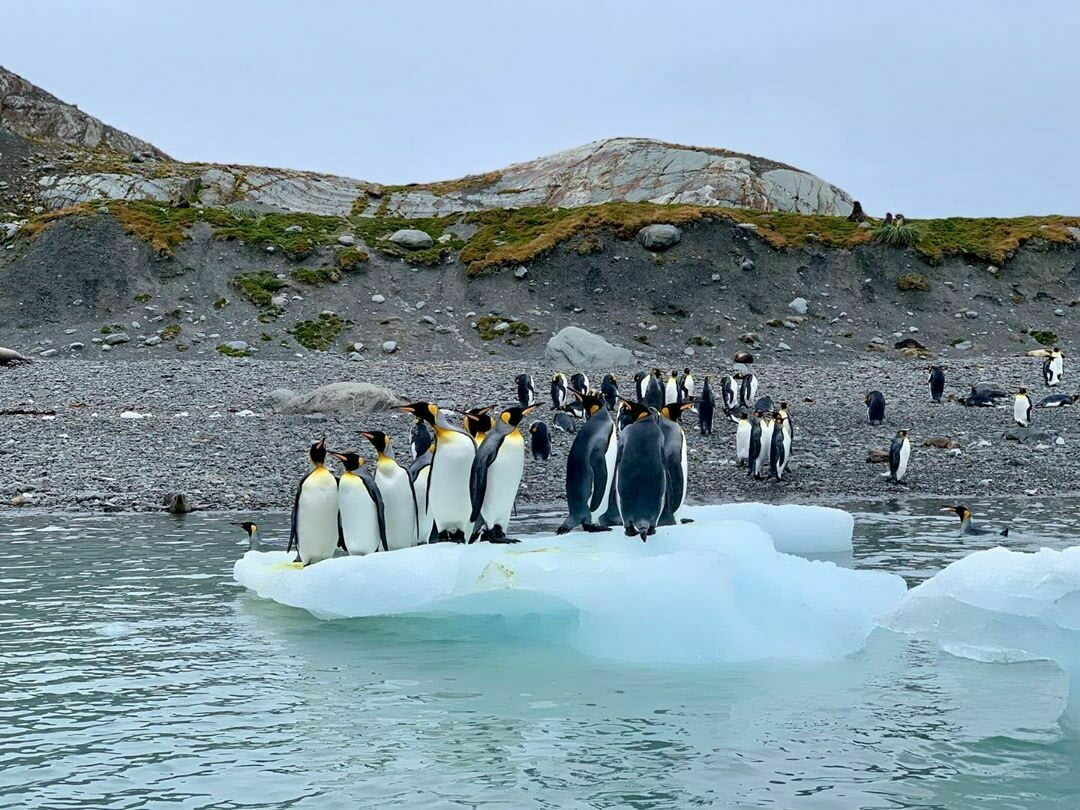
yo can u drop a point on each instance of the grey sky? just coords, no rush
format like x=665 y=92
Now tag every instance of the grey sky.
x=930 y=108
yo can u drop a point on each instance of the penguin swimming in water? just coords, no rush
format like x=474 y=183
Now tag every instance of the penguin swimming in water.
x=748 y=386
x=525 y=392
x=742 y=439
x=590 y=467
x=609 y=388
x=579 y=382
x=420 y=474
x=360 y=506
x=706 y=408
x=966 y=528
x=686 y=386
x=642 y=476
x=675 y=465
x=564 y=421
x=255 y=541
x=936 y=383
x=420 y=440
x=1057 y=401
x=899 y=453
x=781 y=445
x=448 y=500
x=559 y=386
x=875 y=407
x=654 y=391
x=314 y=529
x=477 y=423
x=395 y=487
x=540 y=441
x=729 y=394
x=1022 y=408
x=496 y=476
x=671 y=388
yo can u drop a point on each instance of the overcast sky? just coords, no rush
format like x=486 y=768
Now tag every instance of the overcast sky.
x=930 y=108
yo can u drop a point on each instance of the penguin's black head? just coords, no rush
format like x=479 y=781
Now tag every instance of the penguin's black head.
x=557 y=378
x=639 y=376
x=637 y=410
x=783 y=406
x=674 y=410
x=350 y=460
x=590 y=401
x=379 y=440
x=513 y=416
x=867 y=400
x=248 y=527
x=686 y=371
x=961 y=511
x=521 y=379
x=657 y=373
x=477 y=421
x=318 y=451
x=422 y=410
x=609 y=379
x=1022 y=391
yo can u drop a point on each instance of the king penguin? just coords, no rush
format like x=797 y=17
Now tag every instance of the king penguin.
x=875 y=407
x=477 y=423
x=579 y=382
x=448 y=502
x=686 y=386
x=1053 y=367
x=420 y=474
x=420 y=440
x=675 y=466
x=642 y=476
x=671 y=388
x=706 y=408
x=966 y=527
x=609 y=388
x=314 y=529
x=1022 y=408
x=742 y=439
x=255 y=541
x=590 y=467
x=559 y=385
x=496 y=477
x=395 y=486
x=654 y=391
x=728 y=393
x=525 y=391
x=937 y=383
x=778 y=456
x=748 y=387
x=540 y=441
x=899 y=453
x=640 y=382
x=363 y=520
x=763 y=463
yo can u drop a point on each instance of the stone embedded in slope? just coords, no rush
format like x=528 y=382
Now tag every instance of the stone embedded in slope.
x=412 y=239
x=342 y=397
x=659 y=237
x=577 y=348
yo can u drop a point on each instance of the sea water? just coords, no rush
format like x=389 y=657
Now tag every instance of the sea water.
x=135 y=673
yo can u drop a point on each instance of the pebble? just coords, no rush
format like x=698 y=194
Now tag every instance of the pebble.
x=378 y=299
x=390 y=346
x=117 y=339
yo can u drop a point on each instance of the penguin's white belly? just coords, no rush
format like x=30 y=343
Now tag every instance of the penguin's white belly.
x=503 y=480
x=671 y=392
x=420 y=487
x=685 y=478
x=359 y=516
x=449 y=502
x=766 y=447
x=1056 y=368
x=753 y=391
x=901 y=468
x=398 y=507
x=610 y=455
x=1020 y=411
x=742 y=441
x=787 y=445
x=317 y=517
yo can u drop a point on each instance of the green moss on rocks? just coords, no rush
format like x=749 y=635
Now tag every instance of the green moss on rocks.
x=1044 y=337
x=318 y=334
x=259 y=286
x=171 y=332
x=316 y=276
x=913 y=282
x=143 y=298
x=350 y=259
x=228 y=351
x=488 y=327
x=221 y=303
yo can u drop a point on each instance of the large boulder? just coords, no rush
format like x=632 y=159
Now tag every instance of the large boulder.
x=411 y=239
x=659 y=237
x=574 y=347
x=342 y=397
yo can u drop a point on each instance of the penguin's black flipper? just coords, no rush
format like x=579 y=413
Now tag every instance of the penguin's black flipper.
x=380 y=509
x=294 y=538
x=1005 y=533
x=598 y=463
x=484 y=458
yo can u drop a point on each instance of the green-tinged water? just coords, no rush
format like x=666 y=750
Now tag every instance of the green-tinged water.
x=134 y=673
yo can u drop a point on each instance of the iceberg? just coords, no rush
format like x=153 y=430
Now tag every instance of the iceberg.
x=795 y=529
x=1001 y=606
x=705 y=592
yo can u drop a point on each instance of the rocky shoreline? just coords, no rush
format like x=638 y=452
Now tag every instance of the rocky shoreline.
x=92 y=436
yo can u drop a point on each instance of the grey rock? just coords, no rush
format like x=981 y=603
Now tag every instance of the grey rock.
x=237 y=345
x=689 y=351
x=746 y=226
x=971 y=314
x=281 y=301
x=747 y=265
x=76 y=346
x=390 y=346
x=294 y=229
x=963 y=345
x=521 y=272
x=799 y=305
x=428 y=319
x=865 y=226
x=153 y=340
x=341 y=397
x=412 y=239
x=279 y=397
x=49 y=353
x=355 y=357
x=782 y=347
x=378 y=299
x=346 y=239
x=659 y=237
x=117 y=339
x=575 y=347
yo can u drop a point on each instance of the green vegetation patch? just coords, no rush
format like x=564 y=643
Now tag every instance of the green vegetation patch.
x=279 y=230
x=171 y=332
x=143 y=298
x=317 y=276
x=259 y=286
x=900 y=236
x=228 y=351
x=221 y=303
x=486 y=327
x=349 y=259
x=1044 y=336
x=318 y=334
x=699 y=341
x=913 y=282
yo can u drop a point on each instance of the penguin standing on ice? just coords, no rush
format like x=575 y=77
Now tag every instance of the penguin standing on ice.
x=742 y=438
x=706 y=407
x=590 y=467
x=396 y=488
x=899 y=453
x=559 y=386
x=966 y=528
x=642 y=477
x=448 y=501
x=525 y=392
x=671 y=388
x=609 y=388
x=496 y=476
x=686 y=386
x=314 y=529
x=675 y=465
x=729 y=393
x=748 y=387
x=654 y=391
x=936 y=383
x=875 y=407
x=420 y=440
x=1022 y=408
x=360 y=505
x=419 y=474
x=540 y=441
x=781 y=445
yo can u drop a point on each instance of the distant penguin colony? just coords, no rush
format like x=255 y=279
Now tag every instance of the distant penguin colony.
x=627 y=464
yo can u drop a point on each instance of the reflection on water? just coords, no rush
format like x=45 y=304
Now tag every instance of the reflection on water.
x=135 y=674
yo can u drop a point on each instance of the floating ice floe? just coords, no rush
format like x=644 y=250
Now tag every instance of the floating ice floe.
x=1003 y=606
x=709 y=591
x=795 y=529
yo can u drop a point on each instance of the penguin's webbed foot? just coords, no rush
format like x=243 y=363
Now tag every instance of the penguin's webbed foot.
x=592 y=527
x=686 y=520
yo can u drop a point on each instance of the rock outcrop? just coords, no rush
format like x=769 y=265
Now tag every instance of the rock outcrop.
x=341 y=397
x=576 y=348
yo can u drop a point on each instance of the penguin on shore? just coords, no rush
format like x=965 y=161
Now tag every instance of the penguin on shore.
x=1054 y=367
x=526 y=394
x=609 y=389
x=686 y=386
x=742 y=439
x=729 y=394
x=1022 y=408
x=899 y=453
x=875 y=407
x=671 y=388
x=448 y=500
x=706 y=407
x=781 y=445
x=590 y=467
x=936 y=383
x=540 y=441
x=966 y=527
x=360 y=506
x=419 y=440
x=579 y=382
x=642 y=476
x=748 y=386
x=477 y=423
x=563 y=421
x=496 y=476
x=654 y=391
x=559 y=386
x=675 y=464
x=395 y=487
x=420 y=475
x=639 y=385
x=314 y=525
x=1057 y=401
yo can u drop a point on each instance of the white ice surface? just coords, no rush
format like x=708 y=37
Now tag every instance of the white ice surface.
x=1003 y=606
x=795 y=529
x=701 y=592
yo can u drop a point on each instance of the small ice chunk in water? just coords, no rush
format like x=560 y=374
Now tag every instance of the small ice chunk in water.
x=795 y=529
x=1003 y=606
x=709 y=591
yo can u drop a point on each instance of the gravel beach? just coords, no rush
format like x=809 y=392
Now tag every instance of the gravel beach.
x=208 y=430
